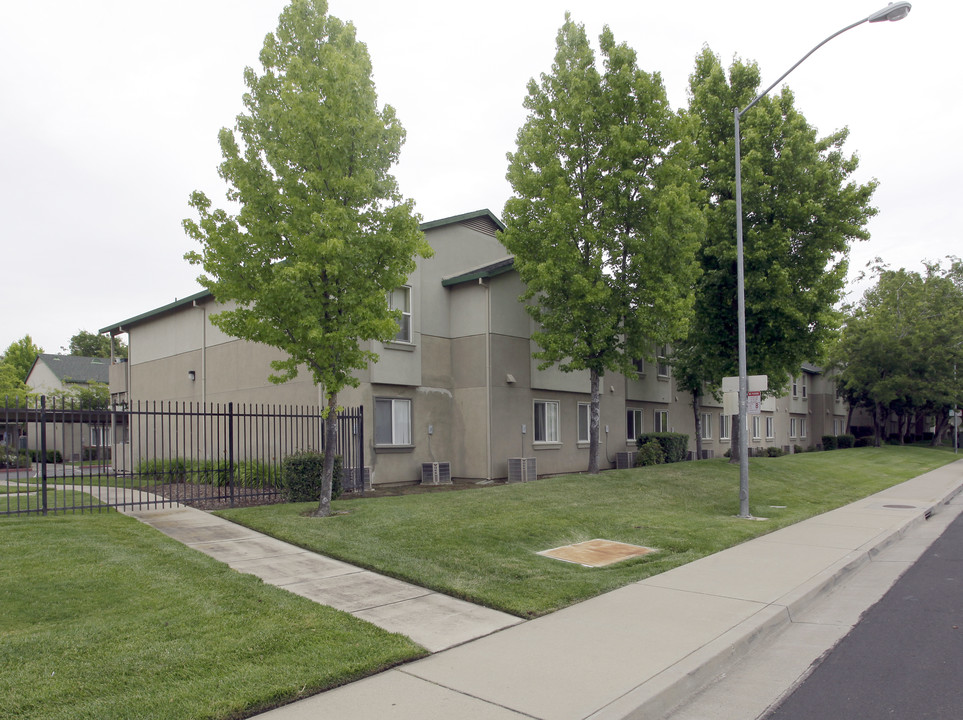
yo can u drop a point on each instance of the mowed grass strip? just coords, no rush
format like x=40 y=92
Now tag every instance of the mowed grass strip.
x=104 y=617
x=481 y=544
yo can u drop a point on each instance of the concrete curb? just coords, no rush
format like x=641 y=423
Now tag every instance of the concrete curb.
x=665 y=691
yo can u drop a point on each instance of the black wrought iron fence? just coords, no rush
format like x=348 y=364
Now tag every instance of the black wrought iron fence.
x=56 y=457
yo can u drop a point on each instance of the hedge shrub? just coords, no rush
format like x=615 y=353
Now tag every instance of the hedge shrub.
x=829 y=442
x=650 y=453
x=845 y=441
x=674 y=445
x=301 y=477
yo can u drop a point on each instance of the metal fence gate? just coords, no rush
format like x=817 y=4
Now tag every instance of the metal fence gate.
x=60 y=458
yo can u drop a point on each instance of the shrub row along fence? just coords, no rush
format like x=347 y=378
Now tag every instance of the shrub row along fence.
x=57 y=457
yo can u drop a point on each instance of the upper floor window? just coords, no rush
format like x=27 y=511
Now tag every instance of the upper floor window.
x=400 y=299
x=662 y=360
x=804 y=379
x=795 y=387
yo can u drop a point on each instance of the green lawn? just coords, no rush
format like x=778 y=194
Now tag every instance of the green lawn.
x=480 y=544
x=103 y=617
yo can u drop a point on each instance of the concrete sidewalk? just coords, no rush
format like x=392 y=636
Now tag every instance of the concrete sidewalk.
x=635 y=652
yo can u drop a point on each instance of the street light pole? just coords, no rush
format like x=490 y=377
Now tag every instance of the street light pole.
x=892 y=12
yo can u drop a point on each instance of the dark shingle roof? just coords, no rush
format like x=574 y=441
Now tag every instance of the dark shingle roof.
x=76 y=368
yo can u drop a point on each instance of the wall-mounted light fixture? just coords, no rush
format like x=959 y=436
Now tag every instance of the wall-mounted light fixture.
x=191 y=375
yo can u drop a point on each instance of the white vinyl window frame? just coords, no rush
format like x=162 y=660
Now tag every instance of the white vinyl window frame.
x=756 y=427
x=705 y=426
x=661 y=421
x=546 y=421
x=400 y=299
x=584 y=418
x=392 y=422
x=802 y=427
x=725 y=426
x=633 y=424
x=793 y=425
x=770 y=427
x=662 y=362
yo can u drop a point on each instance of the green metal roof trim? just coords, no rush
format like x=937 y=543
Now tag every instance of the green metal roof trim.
x=117 y=328
x=462 y=218
x=488 y=271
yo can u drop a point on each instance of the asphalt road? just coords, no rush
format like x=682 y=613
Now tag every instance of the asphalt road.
x=904 y=659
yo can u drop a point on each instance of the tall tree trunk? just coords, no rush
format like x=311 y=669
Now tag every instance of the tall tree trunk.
x=593 y=466
x=696 y=406
x=942 y=422
x=877 y=424
x=330 y=449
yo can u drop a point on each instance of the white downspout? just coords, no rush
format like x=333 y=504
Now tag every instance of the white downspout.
x=488 y=377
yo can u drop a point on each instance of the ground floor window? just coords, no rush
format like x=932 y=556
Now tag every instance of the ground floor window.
x=724 y=424
x=705 y=427
x=802 y=427
x=584 y=412
x=633 y=424
x=546 y=421
x=392 y=421
x=99 y=436
x=756 y=427
x=793 y=427
x=661 y=421
x=770 y=427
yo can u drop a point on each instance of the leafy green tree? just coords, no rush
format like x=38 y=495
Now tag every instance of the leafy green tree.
x=601 y=223
x=13 y=390
x=801 y=212
x=86 y=396
x=322 y=234
x=901 y=346
x=88 y=344
x=21 y=355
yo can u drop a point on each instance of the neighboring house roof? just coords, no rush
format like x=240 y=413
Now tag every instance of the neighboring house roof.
x=482 y=220
x=70 y=369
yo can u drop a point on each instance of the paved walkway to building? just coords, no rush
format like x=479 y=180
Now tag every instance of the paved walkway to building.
x=636 y=652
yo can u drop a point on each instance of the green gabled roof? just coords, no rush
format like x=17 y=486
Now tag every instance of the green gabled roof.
x=76 y=368
x=482 y=273
x=122 y=326
x=486 y=213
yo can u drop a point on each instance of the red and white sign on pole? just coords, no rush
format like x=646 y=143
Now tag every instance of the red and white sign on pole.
x=754 y=403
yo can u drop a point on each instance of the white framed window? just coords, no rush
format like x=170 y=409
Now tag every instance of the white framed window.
x=804 y=386
x=392 y=421
x=837 y=426
x=99 y=436
x=546 y=421
x=584 y=413
x=400 y=299
x=662 y=361
x=661 y=421
x=640 y=366
x=756 y=427
x=770 y=427
x=802 y=427
x=795 y=387
x=793 y=427
x=705 y=426
x=633 y=424
x=724 y=426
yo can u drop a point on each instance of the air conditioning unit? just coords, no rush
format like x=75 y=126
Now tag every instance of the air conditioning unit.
x=521 y=470
x=624 y=460
x=354 y=481
x=436 y=473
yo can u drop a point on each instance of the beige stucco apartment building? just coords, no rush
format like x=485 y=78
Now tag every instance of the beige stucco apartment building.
x=458 y=384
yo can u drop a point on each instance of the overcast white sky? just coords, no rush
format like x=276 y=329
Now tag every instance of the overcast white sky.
x=109 y=113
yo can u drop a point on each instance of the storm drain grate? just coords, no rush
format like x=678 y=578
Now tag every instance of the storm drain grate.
x=597 y=553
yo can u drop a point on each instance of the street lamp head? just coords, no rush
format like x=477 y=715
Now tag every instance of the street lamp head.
x=892 y=12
